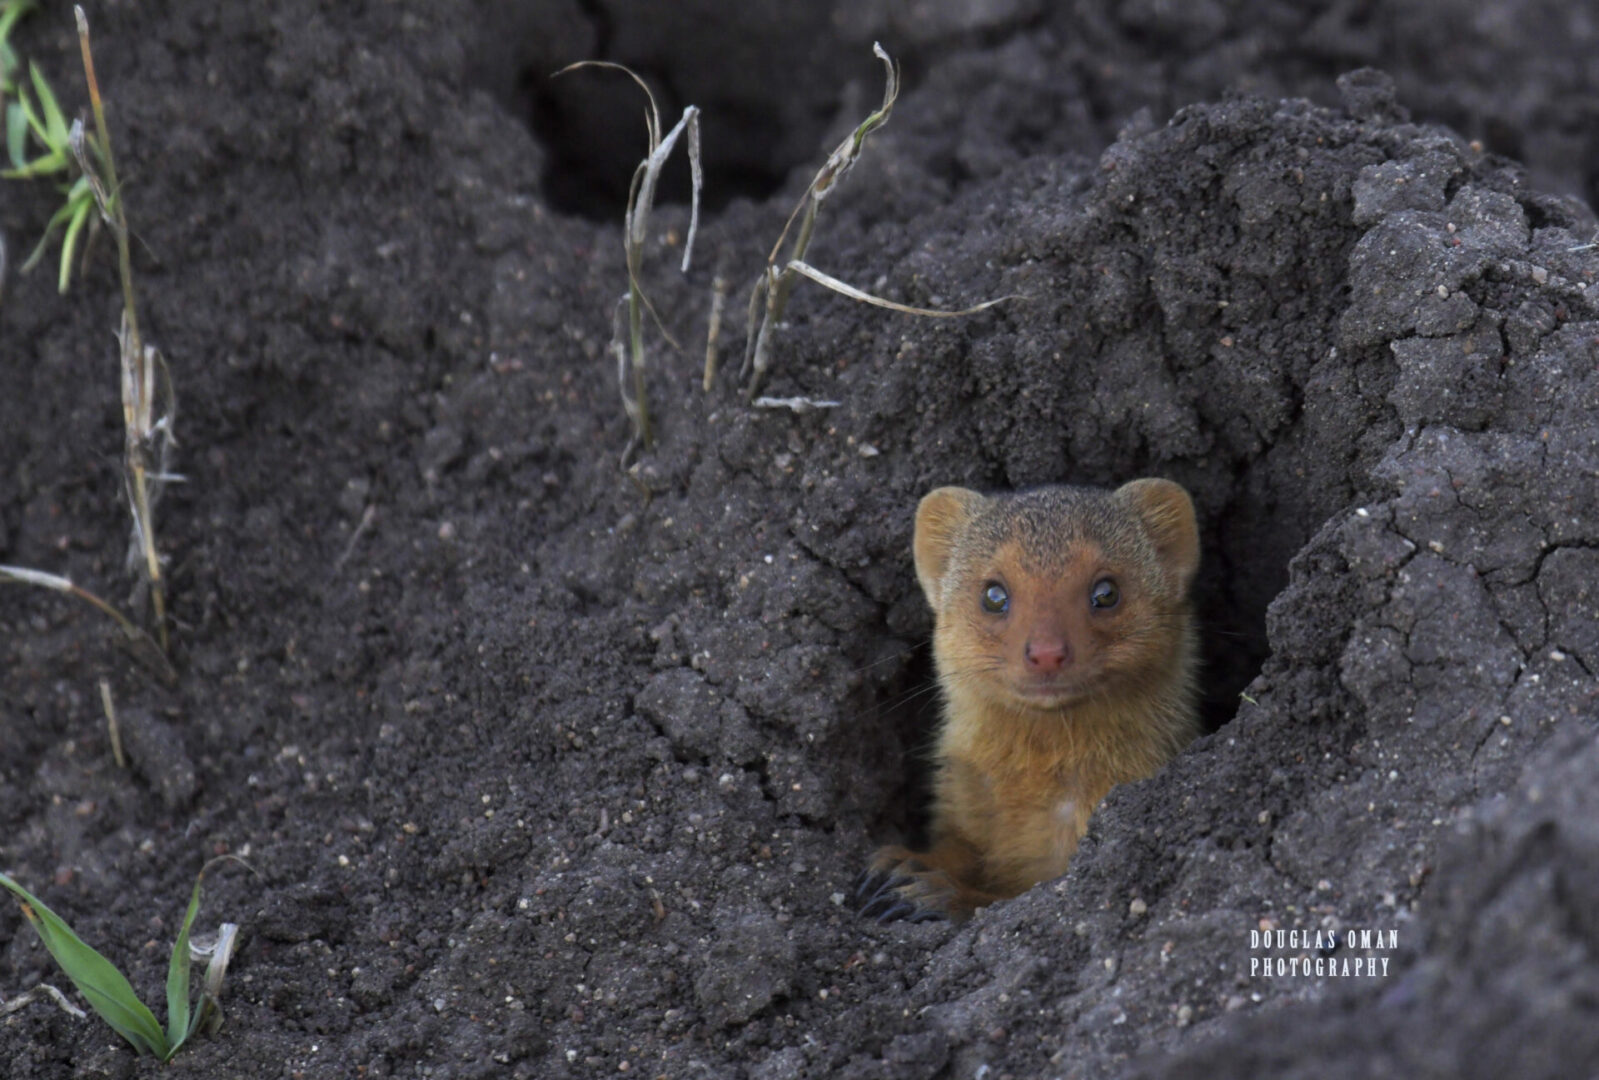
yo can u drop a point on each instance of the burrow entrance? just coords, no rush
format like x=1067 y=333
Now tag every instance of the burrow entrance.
x=769 y=82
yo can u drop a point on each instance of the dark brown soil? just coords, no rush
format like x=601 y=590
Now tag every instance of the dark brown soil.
x=544 y=769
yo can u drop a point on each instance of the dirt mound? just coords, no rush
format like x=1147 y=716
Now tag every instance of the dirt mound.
x=549 y=770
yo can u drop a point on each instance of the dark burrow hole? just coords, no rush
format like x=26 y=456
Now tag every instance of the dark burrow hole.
x=768 y=83
x=594 y=138
x=911 y=711
x=1232 y=630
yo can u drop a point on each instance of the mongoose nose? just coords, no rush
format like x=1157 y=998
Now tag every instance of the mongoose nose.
x=1047 y=656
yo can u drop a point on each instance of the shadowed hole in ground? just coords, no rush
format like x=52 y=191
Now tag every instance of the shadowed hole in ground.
x=595 y=137
x=770 y=86
x=911 y=711
x=757 y=124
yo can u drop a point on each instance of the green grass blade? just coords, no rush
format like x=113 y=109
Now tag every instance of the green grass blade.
x=16 y=134
x=43 y=165
x=105 y=988
x=10 y=13
x=50 y=228
x=179 y=1025
x=55 y=160
x=69 y=242
x=55 y=133
x=26 y=103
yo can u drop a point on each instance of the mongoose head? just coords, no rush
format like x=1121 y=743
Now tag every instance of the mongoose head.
x=1048 y=597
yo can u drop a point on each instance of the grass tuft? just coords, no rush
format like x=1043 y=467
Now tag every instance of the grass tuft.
x=148 y=400
x=147 y=432
x=773 y=285
x=769 y=297
x=108 y=991
x=628 y=346
x=39 y=114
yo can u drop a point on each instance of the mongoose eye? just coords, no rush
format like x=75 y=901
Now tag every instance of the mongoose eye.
x=1104 y=595
x=996 y=601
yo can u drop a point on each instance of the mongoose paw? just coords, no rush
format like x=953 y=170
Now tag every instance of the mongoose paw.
x=898 y=885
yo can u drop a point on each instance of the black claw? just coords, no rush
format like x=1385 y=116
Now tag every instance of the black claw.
x=889 y=889
x=886 y=895
x=876 y=903
x=869 y=878
x=898 y=911
x=927 y=915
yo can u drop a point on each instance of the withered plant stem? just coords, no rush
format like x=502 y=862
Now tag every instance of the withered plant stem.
x=136 y=409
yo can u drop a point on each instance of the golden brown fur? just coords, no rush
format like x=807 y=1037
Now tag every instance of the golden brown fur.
x=1055 y=699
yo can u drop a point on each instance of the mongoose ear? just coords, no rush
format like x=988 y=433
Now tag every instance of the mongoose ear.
x=1168 y=516
x=939 y=519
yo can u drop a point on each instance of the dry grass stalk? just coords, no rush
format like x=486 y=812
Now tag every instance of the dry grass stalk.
x=774 y=285
x=713 y=331
x=39 y=993
x=111 y=724
x=628 y=348
x=769 y=297
x=141 y=644
x=146 y=383
x=147 y=401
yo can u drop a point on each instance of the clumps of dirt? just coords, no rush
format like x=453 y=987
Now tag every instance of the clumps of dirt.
x=547 y=770
x=1492 y=981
